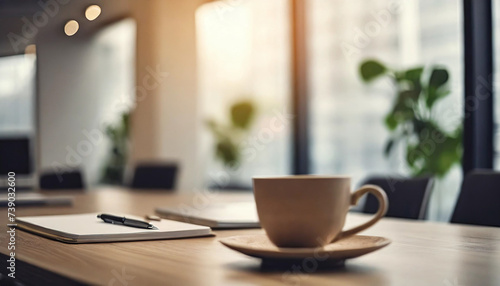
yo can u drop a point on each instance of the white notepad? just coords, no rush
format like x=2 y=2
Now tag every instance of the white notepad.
x=86 y=228
x=216 y=215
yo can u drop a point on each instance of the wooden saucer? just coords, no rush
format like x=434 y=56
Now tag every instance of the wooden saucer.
x=350 y=247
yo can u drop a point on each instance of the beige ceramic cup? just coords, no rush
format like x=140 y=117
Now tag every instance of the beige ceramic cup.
x=310 y=211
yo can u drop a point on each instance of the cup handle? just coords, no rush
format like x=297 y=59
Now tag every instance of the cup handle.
x=382 y=208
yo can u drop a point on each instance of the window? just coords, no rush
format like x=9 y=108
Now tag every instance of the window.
x=244 y=53
x=17 y=112
x=17 y=94
x=496 y=68
x=348 y=134
x=114 y=51
x=346 y=126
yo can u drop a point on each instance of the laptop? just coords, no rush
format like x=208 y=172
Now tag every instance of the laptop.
x=35 y=199
x=215 y=215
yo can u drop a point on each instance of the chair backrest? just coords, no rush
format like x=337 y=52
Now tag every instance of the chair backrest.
x=155 y=176
x=479 y=199
x=70 y=179
x=408 y=197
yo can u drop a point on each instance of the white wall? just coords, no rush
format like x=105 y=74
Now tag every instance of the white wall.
x=82 y=83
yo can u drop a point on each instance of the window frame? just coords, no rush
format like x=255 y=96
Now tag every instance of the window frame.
x=478 y=135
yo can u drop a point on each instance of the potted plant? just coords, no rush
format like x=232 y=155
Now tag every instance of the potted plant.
x=229 y=135
x=429 y=149
x=118 y=135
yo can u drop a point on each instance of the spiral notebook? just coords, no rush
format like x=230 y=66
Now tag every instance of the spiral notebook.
x=87 y=228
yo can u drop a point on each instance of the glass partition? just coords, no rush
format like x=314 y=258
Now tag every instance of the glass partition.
x=348 y=131
x=244 y=57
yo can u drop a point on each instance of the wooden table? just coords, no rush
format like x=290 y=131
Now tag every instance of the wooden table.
x=422 y=253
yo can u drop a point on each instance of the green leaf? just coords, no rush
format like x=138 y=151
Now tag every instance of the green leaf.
x=227 y=152
x=371 y=69
x=126 y=123
x=388 y=147
x=419 y=126
x=242 y=114
x=412 y=155
x=434 y=157
x=438 y=77
x=414 y=74
x=434 y=94
x=446 y=155
x=391 y=121
x=403 y=109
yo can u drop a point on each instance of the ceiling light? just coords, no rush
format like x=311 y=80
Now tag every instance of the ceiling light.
x=92 y=12
x=71 y=27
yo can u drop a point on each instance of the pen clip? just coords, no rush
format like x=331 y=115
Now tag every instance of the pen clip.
x=108 y=220
x=111 y=219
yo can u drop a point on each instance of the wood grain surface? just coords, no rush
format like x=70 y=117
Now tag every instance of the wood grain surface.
x=421 y=253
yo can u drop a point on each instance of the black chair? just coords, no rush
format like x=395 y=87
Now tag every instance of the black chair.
x=69 y=179
x=479 y=199
x=155 y=176
x=408 y=197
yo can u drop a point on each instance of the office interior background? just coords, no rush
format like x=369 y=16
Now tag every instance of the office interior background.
x=172 y=70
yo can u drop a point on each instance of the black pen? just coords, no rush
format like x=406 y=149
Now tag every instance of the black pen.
x=125 y=221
